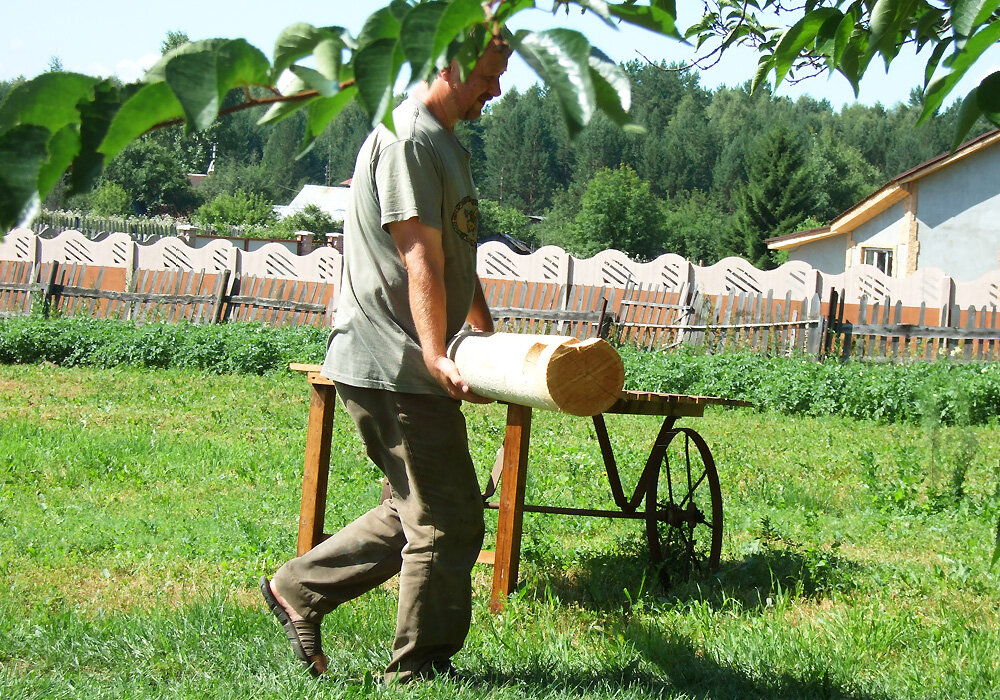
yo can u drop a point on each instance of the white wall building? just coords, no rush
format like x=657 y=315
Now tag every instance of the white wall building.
x=944 y=213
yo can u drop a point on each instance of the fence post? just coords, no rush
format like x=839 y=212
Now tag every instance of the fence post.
x=221 y=297
x=49 y=289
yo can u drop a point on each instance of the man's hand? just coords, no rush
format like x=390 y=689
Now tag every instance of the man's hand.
x=446 y=373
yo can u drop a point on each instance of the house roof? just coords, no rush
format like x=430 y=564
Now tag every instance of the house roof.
x=332 y=200
x=891 y=192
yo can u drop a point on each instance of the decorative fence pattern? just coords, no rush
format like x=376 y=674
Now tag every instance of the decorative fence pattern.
x=664 y=303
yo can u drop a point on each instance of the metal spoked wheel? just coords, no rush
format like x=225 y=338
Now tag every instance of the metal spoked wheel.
x=684 y=509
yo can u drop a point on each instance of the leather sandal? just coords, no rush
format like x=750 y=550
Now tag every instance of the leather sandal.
x=303 y=636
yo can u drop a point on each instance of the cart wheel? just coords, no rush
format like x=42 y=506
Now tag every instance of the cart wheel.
x=684 y=509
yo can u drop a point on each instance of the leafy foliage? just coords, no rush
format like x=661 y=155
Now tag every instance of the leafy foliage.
x=312 y=219
x=939 y=392
x=617 y=210
x=237 y=209
x=233 y=347
x=111 y=199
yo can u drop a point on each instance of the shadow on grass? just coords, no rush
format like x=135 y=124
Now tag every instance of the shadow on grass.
x=620 y=575
x=686 y=671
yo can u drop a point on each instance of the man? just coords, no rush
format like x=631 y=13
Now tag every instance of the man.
x=409 y=286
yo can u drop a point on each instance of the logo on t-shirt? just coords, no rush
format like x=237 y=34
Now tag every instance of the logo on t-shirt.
x=465 y=220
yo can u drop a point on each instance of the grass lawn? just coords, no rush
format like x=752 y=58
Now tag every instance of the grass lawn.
x=138 y=509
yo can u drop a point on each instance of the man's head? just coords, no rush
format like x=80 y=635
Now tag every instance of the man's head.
x=464 y=100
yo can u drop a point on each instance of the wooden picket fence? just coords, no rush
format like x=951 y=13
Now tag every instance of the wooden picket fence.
x=737 y=320
x=648 y=317
x=888 y=331
x=544 y=307
x=161 y=295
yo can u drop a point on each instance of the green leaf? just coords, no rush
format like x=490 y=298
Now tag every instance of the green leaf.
x=796 y=38
x=95 y=119
x=988 y=97
x=416 y=36
x=382 y=24
x=764 y=66
x=192 y=78
x=281 y=110
x=322 y=112
x=62 y=149
x=968 y=115
x=611 y=87
x=240 y=64
x=50 y=101
x=959 y=62
x=329 y=55
x=149 y=106
x=316 y=81
x=652 y=17
x=935 y=59
x=158 y=73
x=457 y=18
x=295 y=41
x=843 y=37
x=561 y=57
x=882 y=24
x=300 y=40
x=373 y=76
x=23 y=150
x=967 y=14
x=506 y=10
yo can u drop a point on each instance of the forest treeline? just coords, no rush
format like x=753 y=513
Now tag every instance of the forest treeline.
x=709 y=173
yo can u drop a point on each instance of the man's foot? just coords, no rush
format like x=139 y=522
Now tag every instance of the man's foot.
x=303 y=636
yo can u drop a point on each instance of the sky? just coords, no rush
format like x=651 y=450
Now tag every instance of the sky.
x=114 y=37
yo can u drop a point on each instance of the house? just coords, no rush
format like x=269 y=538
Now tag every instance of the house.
x=944 y=213
x=332 y=200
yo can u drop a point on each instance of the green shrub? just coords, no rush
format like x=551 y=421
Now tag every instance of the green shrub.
x=236 y=209
x=941 y=392
x=312 y=219
x=111 y=199
x=935 y=393
x=228 y=348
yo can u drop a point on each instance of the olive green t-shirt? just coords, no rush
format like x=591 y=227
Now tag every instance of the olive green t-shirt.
x=421 y=170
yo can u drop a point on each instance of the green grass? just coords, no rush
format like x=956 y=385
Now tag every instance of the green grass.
x=139 y=507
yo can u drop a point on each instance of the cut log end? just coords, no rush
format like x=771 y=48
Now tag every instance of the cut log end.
x=585 y=378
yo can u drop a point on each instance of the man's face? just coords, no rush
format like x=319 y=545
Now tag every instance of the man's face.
x=482 y=85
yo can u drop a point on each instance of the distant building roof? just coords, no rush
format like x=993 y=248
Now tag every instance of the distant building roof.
x=332 y=200
x=887 y=195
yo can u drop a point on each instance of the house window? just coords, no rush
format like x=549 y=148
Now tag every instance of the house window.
x=880 y=258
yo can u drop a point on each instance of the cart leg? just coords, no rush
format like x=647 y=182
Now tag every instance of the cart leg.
x=317 y=466
x=515 y=469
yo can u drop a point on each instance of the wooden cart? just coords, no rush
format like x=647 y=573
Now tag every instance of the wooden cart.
x=677 y=494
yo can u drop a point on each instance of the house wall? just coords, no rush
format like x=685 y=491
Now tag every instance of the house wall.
x=958 y=210
x=881 y=231
x=826 y=255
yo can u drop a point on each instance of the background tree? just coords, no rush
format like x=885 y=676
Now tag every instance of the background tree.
x=779 y=193
x=617 y=210
x=157 y=183
x=497 y=219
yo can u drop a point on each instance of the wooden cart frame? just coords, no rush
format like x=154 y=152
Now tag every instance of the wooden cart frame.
x=679 y=484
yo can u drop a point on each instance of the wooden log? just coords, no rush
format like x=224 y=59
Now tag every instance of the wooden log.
x=555 y=372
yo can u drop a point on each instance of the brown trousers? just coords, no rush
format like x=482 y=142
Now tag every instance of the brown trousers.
x=430 y=531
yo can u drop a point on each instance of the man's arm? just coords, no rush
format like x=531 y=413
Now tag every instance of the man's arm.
x=420 y=249
x=479 y=315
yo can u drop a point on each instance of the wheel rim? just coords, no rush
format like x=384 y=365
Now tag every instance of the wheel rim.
x=684 y=509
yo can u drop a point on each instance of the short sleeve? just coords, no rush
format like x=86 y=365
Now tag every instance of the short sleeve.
x=408 y=184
